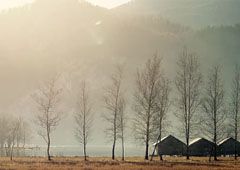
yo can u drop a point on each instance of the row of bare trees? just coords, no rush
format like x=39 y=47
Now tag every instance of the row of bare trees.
x=151 y=102
x=48 y=100
x=115 y=105
x=197 y=103
x=14 y=132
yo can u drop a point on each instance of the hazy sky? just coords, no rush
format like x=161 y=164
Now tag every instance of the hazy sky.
x=105 y=3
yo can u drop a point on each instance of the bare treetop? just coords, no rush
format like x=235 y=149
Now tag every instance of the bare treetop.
x=188 y=82
x=145 y=96
x=47 y=98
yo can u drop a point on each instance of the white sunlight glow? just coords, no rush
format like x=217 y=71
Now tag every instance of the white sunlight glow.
x=4 y=4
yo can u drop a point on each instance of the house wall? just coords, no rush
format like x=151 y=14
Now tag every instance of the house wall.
x=171 y=147
x=228 y=148
x=201 y=148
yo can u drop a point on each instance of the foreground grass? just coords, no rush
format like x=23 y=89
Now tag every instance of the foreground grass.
x=131 y=163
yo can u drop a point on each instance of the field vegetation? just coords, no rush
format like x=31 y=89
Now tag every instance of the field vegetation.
x=132 y=163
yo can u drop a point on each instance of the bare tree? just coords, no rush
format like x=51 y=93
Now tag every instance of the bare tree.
x=26 y=133
x=213 y=107
x=23 y=134
x=4 y=131
x=83 y=118
x=162 y=107
x=188 y=82
x=112 y=99
x=121 y=121
x=145 y=101
x=235 y=105
x=48 y=117
x=13 y=134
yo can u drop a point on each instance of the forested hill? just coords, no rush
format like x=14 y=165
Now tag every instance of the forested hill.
x=49 y=36
x=194 y=13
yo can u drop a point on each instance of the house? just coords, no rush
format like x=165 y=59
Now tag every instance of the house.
x=170 y=145
x=200 y=147
x=227 y=147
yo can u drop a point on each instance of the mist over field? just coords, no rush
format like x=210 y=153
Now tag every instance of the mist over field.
x=82 y=41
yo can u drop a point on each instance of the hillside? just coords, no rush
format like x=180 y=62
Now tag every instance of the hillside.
x=193 y=13
x=44 y=37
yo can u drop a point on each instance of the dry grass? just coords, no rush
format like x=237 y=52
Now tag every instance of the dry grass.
x=131 y=163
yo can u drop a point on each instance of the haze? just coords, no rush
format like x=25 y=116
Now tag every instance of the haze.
x=82 y=41
x=5 y=4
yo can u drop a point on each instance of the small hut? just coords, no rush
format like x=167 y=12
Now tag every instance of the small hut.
x=200 y=147
x=170 y=145
x=227 y=147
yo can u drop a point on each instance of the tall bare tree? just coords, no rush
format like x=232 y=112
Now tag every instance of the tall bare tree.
x=122 y=120
x=112 y=99
x=145 y=101
x=162 y=107
x=213 y=107
x=83 y=118
x=23 y=134
x=47 y=99
x=15 y=128
x=235 y=105
x=188 y=82
x=4 y=131
x=26 y=133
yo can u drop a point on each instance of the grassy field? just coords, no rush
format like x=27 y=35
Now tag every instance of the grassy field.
x=132 y=163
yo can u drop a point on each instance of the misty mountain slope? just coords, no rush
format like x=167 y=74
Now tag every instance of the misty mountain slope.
x=194 y=13
x=86 y=42
x=45 y=37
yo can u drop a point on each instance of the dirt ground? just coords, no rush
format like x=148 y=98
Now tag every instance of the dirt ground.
x=132 y=163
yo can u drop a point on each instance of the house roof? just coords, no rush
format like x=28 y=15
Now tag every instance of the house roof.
x=198 y=139
x=169 y=136
x=195 y=140
x=225 y=140
x=161 y=140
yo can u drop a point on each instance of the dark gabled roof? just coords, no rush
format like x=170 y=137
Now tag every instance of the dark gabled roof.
x=227 y=140
x=169 y=137
x=199 y=140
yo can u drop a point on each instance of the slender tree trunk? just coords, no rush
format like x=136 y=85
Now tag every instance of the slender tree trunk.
x=48 y=146
x=2 y=149
x=146 y=151
x=160 y=155
x=113 y=149
x=189 y=112
x=18 y=153
x=187 y=115
x=6 y=150
x=187 y=141
x=11 y=153
x=215 y=125
x=236 y=137
x=147 y=140
x=85 y=152
x=153 y=153
x=215 y=138
x=236 y=126
x=188 y=136
x=148 y=124
x=84 y=140
x=84 y=134
x=114 y=139
x=158 y=139
x=123 y=152
x=187 y=149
